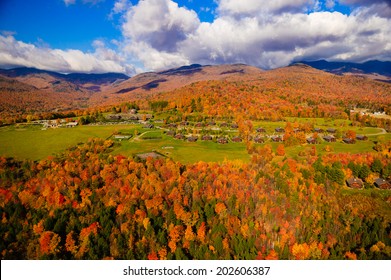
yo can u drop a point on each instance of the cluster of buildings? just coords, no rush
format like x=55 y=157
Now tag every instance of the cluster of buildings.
x=328 y=134
x=55 y=123
x=356 y=183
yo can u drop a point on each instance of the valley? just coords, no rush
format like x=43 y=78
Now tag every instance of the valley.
x=196 y=162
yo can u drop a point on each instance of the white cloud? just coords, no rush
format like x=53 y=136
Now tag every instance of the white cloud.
x=153 y=30
x=160 y=23
x=15 y=53
x=381 y=8
x=330 y=4
x=364 y=2
x=256 y=7
x=69 y=2
x=268 y=34
x=91 y=2
x=153 y=59
x=121 y=6
x=158 y=34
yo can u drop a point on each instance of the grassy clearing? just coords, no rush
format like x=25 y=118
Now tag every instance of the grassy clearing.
x=157 y=134
x=184 y=151
x=322 y=122
x=33 y=143
x=338 y=147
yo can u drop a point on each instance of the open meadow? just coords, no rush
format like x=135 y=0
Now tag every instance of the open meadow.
x=25 y=141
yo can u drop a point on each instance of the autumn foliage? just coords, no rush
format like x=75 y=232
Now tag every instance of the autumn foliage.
x=89 y=204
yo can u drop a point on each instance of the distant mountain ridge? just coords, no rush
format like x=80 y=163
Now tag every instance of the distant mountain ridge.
x=77 y=78
x=369 y=68
x=170 y=79
x=58 y=82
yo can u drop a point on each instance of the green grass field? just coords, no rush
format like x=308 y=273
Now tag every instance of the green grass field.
x=31 y=142
x=182 y=150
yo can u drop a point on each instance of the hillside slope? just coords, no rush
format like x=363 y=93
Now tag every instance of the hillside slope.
x=146 y=84
x=58 y=82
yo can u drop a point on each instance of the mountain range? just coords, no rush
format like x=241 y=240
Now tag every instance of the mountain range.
x=378 y=70
x=118 y=83
x=58 y=82
x=22 y=88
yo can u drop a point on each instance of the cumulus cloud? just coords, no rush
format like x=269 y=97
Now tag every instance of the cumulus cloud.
x=330 y=4
x=255 y=7
x=121 y=6
x=159 y=23
x=153 y=59
x=269 y=45
x=14 y=53
x=158 y=34
x=269 y=34
x=365 y=2
x=380 y=8
x=153 y=30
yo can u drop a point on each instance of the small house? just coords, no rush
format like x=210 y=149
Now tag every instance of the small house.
x=318 y=130
x=329 y=138
x=382 y=184
x=311 y=140
x=222 y=141
x=115 y=117
x=361 y=137
x=71 y=124
x=237 y=139
x=179 y=136
x=331 y=130
x=234 y=125
x=259 y=139
x=192 y=139
x=173 y=125
x=297 y=130
x=212 y=123
x=348 y=140
x=133 y=111
x=276 y=138
x=207 y=138
x=261 y=130
x=133 y=118
x=199 y=124
x=355 y=183
x=184 y=123
x=148 y=126
x=170 y=133
x=280 y=130
x=224 y=124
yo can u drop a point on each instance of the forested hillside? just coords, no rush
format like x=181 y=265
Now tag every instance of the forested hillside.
x=88 y=204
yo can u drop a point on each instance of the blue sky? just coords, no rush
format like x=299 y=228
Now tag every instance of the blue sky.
x=63 y=26
x=60 y=26
x=135 y=36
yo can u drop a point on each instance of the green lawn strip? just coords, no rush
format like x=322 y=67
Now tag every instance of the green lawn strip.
x=35 y=144
x=31 y=142
x=184 y=151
